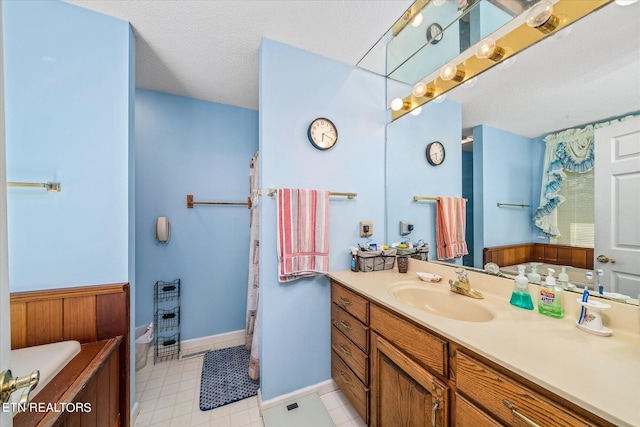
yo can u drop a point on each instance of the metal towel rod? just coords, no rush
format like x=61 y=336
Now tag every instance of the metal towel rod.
x=272 y=192
x=518 y=205
x=417 y=198
x=54 y=187
x=190 y=202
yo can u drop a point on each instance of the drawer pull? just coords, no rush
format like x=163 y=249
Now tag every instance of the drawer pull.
x=346 y=302
x=518 y=415
x=344 y=378
x=344 y=350
x=434 y=410
x=344 y=325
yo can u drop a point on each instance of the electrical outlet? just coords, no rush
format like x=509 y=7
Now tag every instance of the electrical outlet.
x=366 y=228
x=405 y=228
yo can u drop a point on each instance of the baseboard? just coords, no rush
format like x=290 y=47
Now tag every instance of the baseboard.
x=135 y=411
x=321 y=388
x=227 y=339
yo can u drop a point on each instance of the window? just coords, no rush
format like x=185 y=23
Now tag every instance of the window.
x=575 y=215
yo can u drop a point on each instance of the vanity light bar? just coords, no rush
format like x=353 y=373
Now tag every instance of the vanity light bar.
x=518 y=39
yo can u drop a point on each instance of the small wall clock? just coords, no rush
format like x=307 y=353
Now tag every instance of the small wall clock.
x=434 y=33
x=322 y=133
x=435 y=153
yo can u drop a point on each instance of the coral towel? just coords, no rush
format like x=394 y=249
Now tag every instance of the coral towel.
x=303 y=233
x=450 y=227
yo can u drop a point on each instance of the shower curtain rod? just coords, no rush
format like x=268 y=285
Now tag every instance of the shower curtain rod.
x=190 y=202
x=272 y=192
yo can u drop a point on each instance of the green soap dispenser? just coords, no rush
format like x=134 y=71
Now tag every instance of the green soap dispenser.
x=550 y=297
x=520 y=297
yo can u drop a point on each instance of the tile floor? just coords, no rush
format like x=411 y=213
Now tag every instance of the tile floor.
x=168 y=394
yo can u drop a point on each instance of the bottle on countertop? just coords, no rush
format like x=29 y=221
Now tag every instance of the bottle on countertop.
x=563 y=278
x=534 y=277
x=520 y=297
x=550 y=297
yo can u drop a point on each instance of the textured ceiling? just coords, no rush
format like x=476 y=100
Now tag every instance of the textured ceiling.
x=209 y=49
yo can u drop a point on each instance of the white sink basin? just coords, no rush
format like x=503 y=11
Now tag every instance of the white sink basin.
x=441 y=302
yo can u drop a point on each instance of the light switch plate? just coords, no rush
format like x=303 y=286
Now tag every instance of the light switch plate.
x=366 y=228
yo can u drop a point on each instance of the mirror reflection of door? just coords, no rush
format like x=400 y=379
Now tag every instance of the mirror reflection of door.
x=616 y=206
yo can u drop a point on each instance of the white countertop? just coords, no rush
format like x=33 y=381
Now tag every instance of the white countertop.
x=599 y=374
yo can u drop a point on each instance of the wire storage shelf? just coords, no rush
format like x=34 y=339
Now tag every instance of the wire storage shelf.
x=167 y=320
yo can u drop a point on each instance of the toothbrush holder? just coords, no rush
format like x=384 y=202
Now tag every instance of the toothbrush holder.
x=590 y=319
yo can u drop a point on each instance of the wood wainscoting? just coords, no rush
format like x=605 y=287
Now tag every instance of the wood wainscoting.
x=576 y=256
x=87 y=314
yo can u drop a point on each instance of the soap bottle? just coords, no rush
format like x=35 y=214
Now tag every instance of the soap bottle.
x=520 y=296
x=534 y=277
x=563 y=278
x=550 y=297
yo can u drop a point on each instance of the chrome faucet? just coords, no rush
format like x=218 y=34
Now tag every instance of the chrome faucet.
x=462 y=285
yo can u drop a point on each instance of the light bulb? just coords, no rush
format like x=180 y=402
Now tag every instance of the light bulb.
x=489 y=50
x=625 y=2
x=440 y=98
x=416 y=111
x=399 y=104
x=396 y=104
x=417 y=20
x=507 y=63
x=470 y=83
x=450 y=72
x=438 y=2
x=541 y=17
x=419 y=89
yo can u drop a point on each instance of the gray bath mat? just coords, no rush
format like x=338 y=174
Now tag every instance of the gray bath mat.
x=225 y=378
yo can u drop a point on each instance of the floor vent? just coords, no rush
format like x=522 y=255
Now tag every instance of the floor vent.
x=194 y=354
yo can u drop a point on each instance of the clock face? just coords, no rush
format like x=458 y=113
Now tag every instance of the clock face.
x=434 y=33
x=435 y=153
x=322 y=133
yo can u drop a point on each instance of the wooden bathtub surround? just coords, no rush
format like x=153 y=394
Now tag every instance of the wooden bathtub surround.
x=522 y=253
x=99 y=318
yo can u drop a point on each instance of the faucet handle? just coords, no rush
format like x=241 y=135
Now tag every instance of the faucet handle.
x=9 y=384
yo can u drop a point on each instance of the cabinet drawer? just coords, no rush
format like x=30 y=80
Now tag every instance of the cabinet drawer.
x=350 y=327
x=353 y=303
x=352 y=388
x=493 y=391
x=468 y=415
x=355 y=358
x=427 y=349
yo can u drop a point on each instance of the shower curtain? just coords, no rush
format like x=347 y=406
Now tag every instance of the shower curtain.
x=252 y=338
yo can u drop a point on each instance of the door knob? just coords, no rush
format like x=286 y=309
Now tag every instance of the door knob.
x=605 y=259
x=9 y=384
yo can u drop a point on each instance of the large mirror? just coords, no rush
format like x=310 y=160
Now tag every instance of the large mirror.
x=586 y=74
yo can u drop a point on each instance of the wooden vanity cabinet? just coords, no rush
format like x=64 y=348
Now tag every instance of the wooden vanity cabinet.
x=404 y=393
x=350 y=346
x=397 y=373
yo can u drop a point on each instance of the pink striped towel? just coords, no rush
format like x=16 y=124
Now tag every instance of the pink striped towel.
x=303 y=233
x=450 y=227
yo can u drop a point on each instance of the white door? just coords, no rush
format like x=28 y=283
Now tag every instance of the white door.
x=5 y=322
x=617 y=206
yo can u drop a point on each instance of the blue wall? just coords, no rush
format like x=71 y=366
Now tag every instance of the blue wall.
x=295 y=88
x=67 y=79
x=504 y=176
x=188 y=146
x=409 y=174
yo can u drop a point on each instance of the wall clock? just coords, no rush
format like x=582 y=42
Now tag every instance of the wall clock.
x=435 y=153
x=322 y=133
x=434 y=33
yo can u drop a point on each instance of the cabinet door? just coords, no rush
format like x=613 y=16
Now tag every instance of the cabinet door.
x=403 y=393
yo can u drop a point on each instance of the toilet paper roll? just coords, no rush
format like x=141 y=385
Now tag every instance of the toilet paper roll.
x=163 y=229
